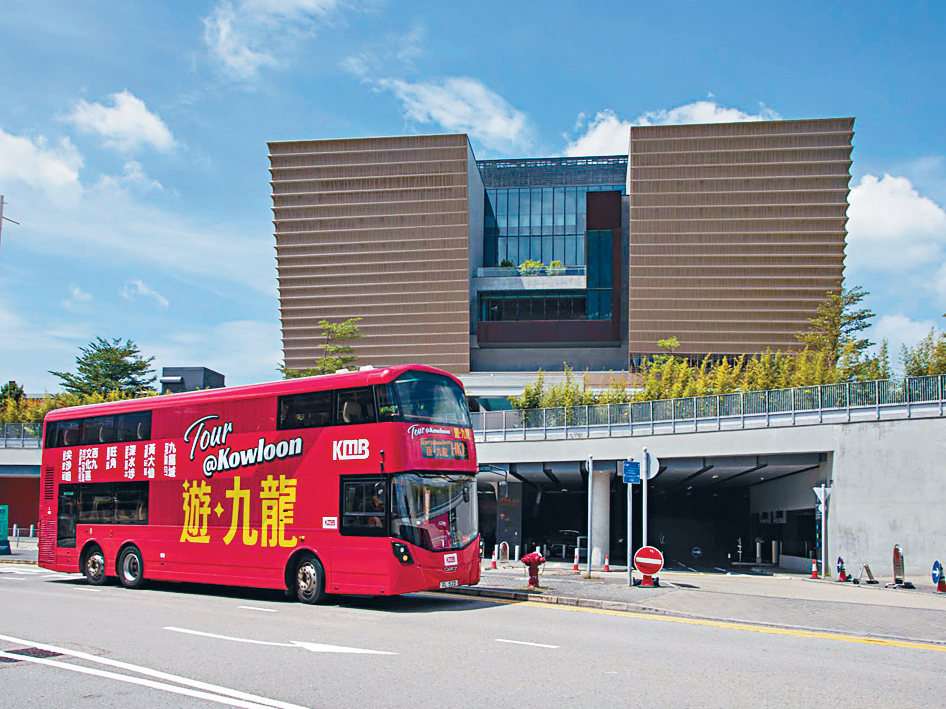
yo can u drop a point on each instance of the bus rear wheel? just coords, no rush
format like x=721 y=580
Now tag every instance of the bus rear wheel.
x=131 y=568
x=310 y=580
x=93 y=567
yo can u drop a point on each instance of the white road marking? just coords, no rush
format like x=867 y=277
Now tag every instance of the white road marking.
x=312 y=647
x=235 y=693
x=520 y=642
x=93 y=590
x=137 y=680
x=15 y=570
x=262 y=610
x=11 y=578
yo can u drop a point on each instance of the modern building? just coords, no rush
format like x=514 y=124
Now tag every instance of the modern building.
x=726 y=236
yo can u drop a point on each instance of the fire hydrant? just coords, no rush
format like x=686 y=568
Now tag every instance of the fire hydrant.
x=533 y=560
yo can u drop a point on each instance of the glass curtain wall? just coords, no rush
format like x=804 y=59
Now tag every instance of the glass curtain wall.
x=539 y=223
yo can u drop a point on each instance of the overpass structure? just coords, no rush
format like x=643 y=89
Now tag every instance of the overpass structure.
x=735 y=470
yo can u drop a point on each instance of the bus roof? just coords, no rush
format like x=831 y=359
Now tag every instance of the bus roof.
x=343 y=380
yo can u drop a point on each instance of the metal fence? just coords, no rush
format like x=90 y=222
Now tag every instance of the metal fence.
x=832 y=403
x=20 y=435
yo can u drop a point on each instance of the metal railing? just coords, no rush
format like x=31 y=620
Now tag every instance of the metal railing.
x=517 y=272
x=20 y=435
x=827 y=403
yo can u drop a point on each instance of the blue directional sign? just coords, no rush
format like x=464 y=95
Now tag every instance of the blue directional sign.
x=632 y=472
x=937 y=571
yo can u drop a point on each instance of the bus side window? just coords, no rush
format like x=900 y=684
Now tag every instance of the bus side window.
x=355 y=406
x=133 y=427
x=311 y=410
x=363 y=507
x=387 y=404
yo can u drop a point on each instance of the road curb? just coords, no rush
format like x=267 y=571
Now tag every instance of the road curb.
x=538 y=597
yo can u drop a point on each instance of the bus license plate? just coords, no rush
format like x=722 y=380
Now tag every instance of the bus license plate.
x=448 y=584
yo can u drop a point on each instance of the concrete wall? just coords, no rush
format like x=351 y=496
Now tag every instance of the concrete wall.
x=889 y=488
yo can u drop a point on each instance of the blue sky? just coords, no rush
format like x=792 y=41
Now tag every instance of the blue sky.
x=133 y=139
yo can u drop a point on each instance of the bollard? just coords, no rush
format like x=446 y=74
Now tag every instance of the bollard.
x=32 y=527
x=575 y=565
x=492 y=564
x=517 y=553
x=16 y=536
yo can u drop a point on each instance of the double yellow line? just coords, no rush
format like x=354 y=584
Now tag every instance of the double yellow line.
x=809 y=634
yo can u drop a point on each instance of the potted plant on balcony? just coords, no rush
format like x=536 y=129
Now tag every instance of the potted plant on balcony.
x=555 y=268
x=531 y=268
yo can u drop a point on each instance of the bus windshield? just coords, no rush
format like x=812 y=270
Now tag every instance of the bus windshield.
x=431 y=398
x=435 y=511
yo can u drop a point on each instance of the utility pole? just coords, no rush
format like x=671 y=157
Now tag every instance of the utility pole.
x=2 y=202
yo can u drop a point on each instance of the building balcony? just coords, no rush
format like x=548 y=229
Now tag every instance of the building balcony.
x=518 y=279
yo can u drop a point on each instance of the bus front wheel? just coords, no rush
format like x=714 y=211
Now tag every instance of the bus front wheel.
x=93 y=567
x=131 y=568
x=310 y=580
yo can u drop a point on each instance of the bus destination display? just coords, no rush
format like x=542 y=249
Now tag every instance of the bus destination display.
x=444 y=450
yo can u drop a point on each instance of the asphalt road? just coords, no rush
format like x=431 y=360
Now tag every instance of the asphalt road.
x=185 y=645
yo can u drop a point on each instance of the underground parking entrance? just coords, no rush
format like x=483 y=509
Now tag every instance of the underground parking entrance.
x=704 y=514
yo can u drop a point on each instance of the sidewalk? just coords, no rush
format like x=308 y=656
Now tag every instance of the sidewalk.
x=23 y=551
x=783 y=600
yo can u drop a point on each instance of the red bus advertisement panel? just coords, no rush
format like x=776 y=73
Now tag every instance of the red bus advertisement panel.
x=357 y=483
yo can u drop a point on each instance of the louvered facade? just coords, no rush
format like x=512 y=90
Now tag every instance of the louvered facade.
x=737 y=231
x=377 y=228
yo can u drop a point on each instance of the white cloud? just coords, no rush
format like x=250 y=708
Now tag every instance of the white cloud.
x=133 y=174
x=246 y=36
x=137 y=287
x=899 y=330
x=464 y=105
x=404 y=49
x=77 y=297
x=126 y=125
x=891 y=227
x=109 y=222
x=607 y=134
x=32 y=162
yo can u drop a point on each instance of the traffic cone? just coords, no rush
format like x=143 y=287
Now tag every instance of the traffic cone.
x=607 y=562
x=575 y=565
x=842 y=574
x=492 y=564
x=814 y=568
x=941 y=586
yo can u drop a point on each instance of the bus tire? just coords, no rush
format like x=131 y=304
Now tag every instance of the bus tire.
x=93 y=566
x=309 y=580
x=131 y=568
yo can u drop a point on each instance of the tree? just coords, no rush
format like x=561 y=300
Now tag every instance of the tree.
x=105 y=367
x=837 y=325
x=338 y=351
x=670 y=344
x=11 y=390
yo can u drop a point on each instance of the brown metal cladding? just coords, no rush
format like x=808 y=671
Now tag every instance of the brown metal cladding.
x=737 y=231
x=375 y=228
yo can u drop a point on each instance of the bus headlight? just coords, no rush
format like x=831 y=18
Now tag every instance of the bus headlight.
x=402 y=553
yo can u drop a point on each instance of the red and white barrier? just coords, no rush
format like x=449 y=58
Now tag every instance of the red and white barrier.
x=607 y=562
x=492 y=563
x=575 y=565
x=814 y=568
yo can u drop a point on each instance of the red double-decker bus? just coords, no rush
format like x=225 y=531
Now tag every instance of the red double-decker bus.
x=351 y=483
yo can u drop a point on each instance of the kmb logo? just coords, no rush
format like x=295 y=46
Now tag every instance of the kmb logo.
x=352 y=449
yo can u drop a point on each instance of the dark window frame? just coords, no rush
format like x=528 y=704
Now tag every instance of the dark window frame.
x=348 y=530
x=53 y=439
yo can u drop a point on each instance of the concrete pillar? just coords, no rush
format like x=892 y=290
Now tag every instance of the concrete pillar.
x=601 y=516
